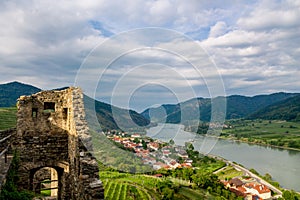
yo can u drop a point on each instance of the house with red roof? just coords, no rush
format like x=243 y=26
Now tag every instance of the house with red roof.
x=258 y=189
x=255 y=190
x=153 y=145
x=166 y=152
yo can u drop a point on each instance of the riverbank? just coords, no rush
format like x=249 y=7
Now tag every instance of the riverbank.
x=252 y=156
x=256 y=143
x=249 y=173
x=278 y=190
x=273 y=133
x=248 y=142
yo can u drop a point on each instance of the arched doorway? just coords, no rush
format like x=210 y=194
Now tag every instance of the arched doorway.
x=46 y=181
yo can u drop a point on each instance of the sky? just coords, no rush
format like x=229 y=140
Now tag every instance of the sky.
x=141 y=53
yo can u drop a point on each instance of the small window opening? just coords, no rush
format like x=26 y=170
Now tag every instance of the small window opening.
x=65 y=113
x=49 y=106
x=34 y=112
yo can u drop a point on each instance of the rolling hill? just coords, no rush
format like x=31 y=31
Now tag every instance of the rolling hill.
x=111 y=117
x=108 y=117
x=237 y=107
x=288 y=109
x=10 y=92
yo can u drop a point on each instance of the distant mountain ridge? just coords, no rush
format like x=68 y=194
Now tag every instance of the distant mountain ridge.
x=237 y=107
x=288 y=109
x=10 y=92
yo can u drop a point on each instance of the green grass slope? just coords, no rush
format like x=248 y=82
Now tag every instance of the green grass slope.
x=8 y=118
x=111 y=117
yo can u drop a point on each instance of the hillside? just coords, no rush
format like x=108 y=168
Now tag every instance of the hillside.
x=10 y=92
x=288 y=109
x=111 y=117
x=237 y=107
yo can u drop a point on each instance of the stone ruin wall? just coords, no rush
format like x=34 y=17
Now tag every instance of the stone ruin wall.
x=52 y=132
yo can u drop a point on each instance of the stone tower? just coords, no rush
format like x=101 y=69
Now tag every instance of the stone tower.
x=53 y=143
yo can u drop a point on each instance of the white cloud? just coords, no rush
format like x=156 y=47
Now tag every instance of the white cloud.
x=272 y=15
x=46 y=40
x=218 y=29
x=253 y=43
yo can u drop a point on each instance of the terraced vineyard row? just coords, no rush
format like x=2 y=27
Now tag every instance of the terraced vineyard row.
x=125 y=187
x=115 y=189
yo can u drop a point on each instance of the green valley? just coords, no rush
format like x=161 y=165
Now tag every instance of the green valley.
x=267 y=132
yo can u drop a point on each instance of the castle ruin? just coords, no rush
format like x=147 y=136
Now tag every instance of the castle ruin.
x=53 y=142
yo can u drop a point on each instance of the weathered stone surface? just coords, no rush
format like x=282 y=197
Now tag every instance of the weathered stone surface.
x=52 y=132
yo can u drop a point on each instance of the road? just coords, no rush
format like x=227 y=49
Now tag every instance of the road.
x=247 y=172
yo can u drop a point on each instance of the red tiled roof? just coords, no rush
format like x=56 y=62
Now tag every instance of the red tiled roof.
x=259 y=187
x=241 y=189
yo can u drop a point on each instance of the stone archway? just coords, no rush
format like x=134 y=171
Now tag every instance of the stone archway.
x=49 y=178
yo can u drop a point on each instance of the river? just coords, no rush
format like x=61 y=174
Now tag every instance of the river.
x=283 y=165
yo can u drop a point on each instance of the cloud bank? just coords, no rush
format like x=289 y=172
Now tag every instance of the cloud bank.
x=254 y=44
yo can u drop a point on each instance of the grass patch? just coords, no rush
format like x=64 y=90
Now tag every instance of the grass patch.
x=46 y=192
x=268 y=132
x=8 y=118
x=228 y=173
x=195 y=194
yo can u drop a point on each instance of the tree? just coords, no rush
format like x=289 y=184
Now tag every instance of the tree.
x=219 y=190
x=180 y=160
x=167 y=193
x=287 y=195
x=225 y=193
x=187 y=173
x=136 y=140
x=171 y=142
x=204 y=180
x=268 y=177
x=144 y=144
x=167 y=189
x=190 y=147
x=209 y=189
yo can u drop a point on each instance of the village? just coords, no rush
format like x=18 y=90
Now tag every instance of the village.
x=155 y=153
x=167 y=155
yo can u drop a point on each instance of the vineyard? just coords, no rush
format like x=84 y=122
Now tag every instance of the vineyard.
x=125 y=186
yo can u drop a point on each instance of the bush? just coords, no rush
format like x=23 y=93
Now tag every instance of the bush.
x=9 y=190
